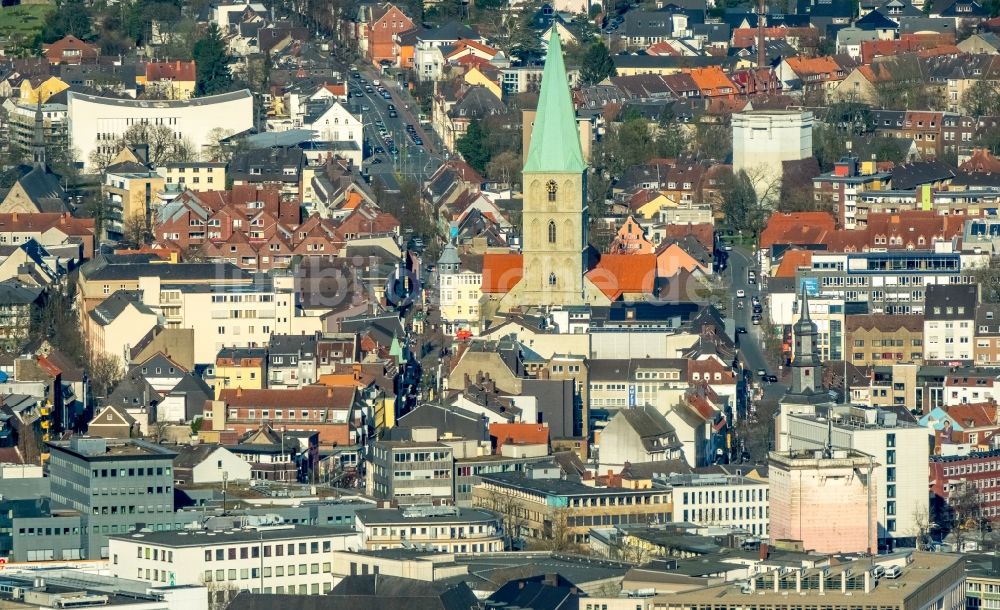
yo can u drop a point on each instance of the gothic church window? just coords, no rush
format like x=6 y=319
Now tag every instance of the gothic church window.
x=552 y=279
x=552 y=231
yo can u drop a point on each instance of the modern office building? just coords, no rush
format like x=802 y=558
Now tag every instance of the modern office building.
x=117 y=486
x=268 y=559
x=540 y=505
x=411 y=472
x=720 y=499
x=441 y=528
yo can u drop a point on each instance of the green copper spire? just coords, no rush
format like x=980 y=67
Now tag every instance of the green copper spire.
x=555 y=139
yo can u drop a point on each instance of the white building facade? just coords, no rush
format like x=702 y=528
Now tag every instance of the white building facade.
x=723 y=500
x=762 y=140
x=268 y=559
x=96 y=122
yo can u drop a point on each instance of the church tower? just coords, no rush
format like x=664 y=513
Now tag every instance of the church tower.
x=554 y=216
x=806 y=363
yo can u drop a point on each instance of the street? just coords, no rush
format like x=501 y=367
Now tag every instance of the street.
x=751 y=343
x=413 y=161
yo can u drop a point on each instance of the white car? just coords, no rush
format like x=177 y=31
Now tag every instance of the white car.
x=741 y=293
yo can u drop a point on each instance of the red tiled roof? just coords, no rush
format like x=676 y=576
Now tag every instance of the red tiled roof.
x=501 y=272
x=702 y=231
x=310 y=396
x=171 y=70
x=974 y=415
x=796 y=228
x=518 y=434
x=618 y=274
x=792 y=260
x=43 y=221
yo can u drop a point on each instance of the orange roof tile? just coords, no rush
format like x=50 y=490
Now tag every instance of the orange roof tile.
x=519 y=434
x=796 y=227
x=501 y=272
x=618 y=274
x=792 y=260
x=712 y=80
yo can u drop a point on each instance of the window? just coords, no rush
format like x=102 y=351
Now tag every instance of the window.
x=552 y=232
x=552 y=279
x=551 y=188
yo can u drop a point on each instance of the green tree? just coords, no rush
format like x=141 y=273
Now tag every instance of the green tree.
x=472 y=146
x=597 y=64
x=70 y=17
x=672 y=141
x=213 y=63
x=982 y=98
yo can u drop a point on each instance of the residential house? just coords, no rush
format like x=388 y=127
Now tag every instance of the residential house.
x=637 y=435
x=172 y=80
x=117 y=325
x=949 y=322
x=200 y=464
x=70 y=50
x=382 y=23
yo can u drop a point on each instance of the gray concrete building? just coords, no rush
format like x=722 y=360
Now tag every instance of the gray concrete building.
x=117 y=486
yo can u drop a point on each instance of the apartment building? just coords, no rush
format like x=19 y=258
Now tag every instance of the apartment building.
x=329 y=411
x=224 y=315
x=116 y=486
x=459 y=291
x=898 y=447
x=986 y=351
x=951 y=474
x=883 y=339
x=839 y=188
x=445 y=529
x=950 y=322
x=198 y=176
x=130 y=190
x=269 y=559
x=892 y=282
x=544 y=504
x=411 y=472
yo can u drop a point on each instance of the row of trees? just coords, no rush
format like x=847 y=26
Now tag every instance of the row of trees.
x=493 y=147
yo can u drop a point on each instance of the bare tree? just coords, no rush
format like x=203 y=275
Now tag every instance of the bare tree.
x=104 y=371
x=136 y=231
x=624 y=548
x=220 y=593
x=506 y=505
x=921 y=527
x=163 y=144
x=966 y=511
x=557 y=532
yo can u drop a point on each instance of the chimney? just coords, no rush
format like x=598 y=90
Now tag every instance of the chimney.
x=329 y=392
x=551 y=579
x=14 y=217
x=356 y=367
x=239 y=392
x=765 y=551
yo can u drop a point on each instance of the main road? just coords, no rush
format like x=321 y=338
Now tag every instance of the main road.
x=751 y=351
x=413 y=161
